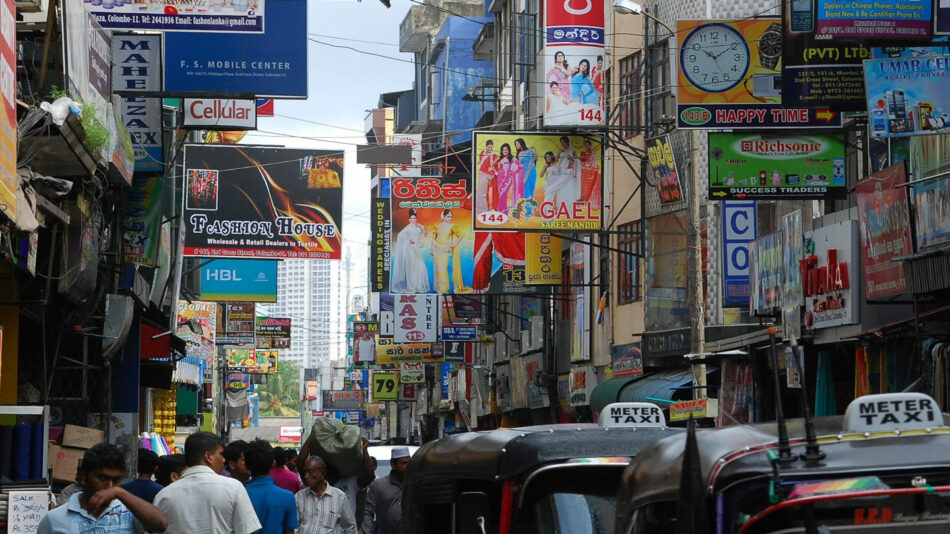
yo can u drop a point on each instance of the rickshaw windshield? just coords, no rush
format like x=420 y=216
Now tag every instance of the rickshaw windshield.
x=571 y=499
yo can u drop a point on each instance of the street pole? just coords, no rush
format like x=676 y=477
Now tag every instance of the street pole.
x=695 y=248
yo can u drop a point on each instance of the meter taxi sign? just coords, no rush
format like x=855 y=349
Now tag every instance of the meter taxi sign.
x=887 y=412
x=632 y=415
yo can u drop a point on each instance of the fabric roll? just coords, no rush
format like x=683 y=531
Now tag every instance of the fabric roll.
x=21 y=452
x=6 y=451
x=37 y=444
x=825 y=402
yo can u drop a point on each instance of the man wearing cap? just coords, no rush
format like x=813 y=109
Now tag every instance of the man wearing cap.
x=383 y=514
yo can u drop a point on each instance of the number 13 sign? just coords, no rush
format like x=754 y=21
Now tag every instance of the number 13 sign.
x=385 y=386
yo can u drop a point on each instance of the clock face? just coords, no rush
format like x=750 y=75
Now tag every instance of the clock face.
x=714 y=57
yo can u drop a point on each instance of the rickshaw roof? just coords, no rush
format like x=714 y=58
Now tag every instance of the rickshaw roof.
x=503 y=453
x=737 y=453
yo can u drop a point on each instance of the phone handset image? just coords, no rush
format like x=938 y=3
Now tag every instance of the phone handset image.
x=802 y=16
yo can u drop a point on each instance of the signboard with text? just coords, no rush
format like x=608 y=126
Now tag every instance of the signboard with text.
x=241 y=16
x=662 y=166
x=273 y=332
x=828 y=275
x=224 y=280
x=8 y=124
x=885 y=231
x=907 y=96
x=882 y=19
x=417 y=318
x=574 y=76
x=738 y=231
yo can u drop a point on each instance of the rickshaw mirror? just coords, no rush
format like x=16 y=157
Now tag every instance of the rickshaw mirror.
x=472 y=511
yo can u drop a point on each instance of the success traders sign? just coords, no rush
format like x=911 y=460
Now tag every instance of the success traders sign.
x=753 y=166
x=248 y=202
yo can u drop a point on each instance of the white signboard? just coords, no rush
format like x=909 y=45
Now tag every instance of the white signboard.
x=137 y=64
x=414 y=169
x=632 y=415
x=220 y=114
x=830 y=273
x=26 y=509
x=412 y=373
x=417 y=318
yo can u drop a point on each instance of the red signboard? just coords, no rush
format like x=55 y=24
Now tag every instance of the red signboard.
x=8 y=135
x=885 y=231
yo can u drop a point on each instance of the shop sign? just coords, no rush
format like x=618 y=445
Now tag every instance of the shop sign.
x=627 y=360
x=542 y=259
x=662 y=165
x=143 y=219
x=766 y=274
x=672 y=343
x=416 y=318
x=137 y=65
x=906 y=96
x=694 y=409
x=289 y=434
x=387 y=351
x=220 y=114
x=583 y=382
x=930 y=159
x=241 y=16
x=407 y=392
x=412 y=373
x=224 y=280
x=381 y=249
x=236 y=326
x=739 y=229
x=273 y=332
x=385 y=386
x=8 y=124
x=364 y=341
x=900 y=20
x=414 y=168
x=574 y=80
x=457 y=352
x=143 y=120
x=885 y=231
x=827 y=275
x=342 y=400
x=537 y=391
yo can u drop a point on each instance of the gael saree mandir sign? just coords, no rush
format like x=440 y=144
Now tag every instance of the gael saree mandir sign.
x=254 y=202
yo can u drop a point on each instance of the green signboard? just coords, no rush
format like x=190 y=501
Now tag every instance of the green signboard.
x=780 y=166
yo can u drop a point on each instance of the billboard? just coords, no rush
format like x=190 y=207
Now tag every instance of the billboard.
x=573 y=64
x=785 y=167
x=884 y=221
x=543 y=261
x=381 y=248
x=196 y=324
x=882 y=19
x=364 y=341
x=662 y=166
x=417 y=318
x=272 y=64
x=256 y=202
x=240 y=16
x=388 y=351
x=829 y=297
x=143 y=220
x=250 y=360
x=8 y=132
x=272 y=332
x=739 y=229
x=730 y=76
x=235 y=323
x=906 y=96
x=239 y=280
x=532 y=181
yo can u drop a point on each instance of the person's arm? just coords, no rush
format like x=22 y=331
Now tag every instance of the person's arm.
x=347 y=521
x=368 y=521
x=152 y=518
x=368 y=474
x=304 y=452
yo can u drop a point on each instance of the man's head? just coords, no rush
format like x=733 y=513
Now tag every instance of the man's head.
x=259 y=457
x=292 y=460
x=170 y=468
x=204 y=448
x=234 y=456
x=399 y=462
x=147 y=462
x=102 y=467
x=280 y=457
x=314 y=472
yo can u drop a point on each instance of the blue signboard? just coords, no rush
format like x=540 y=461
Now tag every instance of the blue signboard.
x=739 y=229
x=225 y=280
x=446 y=378
x=272 y=64
x=459 y=333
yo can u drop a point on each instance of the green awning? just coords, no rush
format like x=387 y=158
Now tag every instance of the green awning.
x=609 y=391
x=654 y=387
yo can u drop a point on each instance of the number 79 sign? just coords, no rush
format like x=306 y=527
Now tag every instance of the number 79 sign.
x=385 y=387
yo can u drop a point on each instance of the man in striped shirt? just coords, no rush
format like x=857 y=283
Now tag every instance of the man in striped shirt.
x=321 y=507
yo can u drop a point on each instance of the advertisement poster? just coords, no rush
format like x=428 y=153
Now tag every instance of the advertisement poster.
x=272 y=64
x=793 y=252
x=239 y=280
x=364 y=341
x=342 y=400
x=536 y=392
x=235 y=325
x=574 y=77
x=196 y=325
x=412 y=373
x=273 y=332
x=432 y=239
x=729 y=75
x=583 y=382
x=532 y=181
x=388 y=351
x=766 y=274
x=256 y=202
x=414 y=168
x=739 y=229
x=626 y=360
x=662 y=167
x=542 y=259
x=417 y=318
x=241 y=16
x=455 y=328
x=786 y=167
x=143 y=220
x=883 y=19
x=8 y=132
x=381 y=248
x=251 y=361
x=829 y=270
x=906 y=96
x=930 y=158
x=884 y=221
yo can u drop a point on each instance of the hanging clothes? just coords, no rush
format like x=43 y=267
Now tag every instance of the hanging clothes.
x=861 y=384
x=825 y=402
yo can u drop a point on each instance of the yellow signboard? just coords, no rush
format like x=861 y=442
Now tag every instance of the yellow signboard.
x=694 y=409
x=385 y=386
x=542 y=259
x=388 y=351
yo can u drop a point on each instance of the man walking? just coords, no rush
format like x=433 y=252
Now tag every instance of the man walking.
x=202 y=501
x=234 y=461
x=275 y=507
x=144 y=487
x=383 y=513
x=321 y=507
x=102 y=505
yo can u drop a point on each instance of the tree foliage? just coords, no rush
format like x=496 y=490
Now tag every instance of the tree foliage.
x=281 y=395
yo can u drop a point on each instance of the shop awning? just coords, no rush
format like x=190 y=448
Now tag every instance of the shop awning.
x=659 y=386
x=607 y=392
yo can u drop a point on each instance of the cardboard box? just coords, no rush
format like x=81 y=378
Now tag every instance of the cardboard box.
x=64 y=461
x=81 y=437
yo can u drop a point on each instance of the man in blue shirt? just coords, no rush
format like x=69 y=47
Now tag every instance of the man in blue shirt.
x=144 y=487
x=275 y=507
x=102 y=505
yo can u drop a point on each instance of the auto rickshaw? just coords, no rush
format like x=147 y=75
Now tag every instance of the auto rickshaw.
x=884 y=467
x=559 y=478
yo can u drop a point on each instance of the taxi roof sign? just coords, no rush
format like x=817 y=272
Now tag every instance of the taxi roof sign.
x=887 y=412
x=632 y=415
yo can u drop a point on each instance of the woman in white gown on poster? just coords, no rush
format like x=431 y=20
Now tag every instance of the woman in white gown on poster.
x=410 y=274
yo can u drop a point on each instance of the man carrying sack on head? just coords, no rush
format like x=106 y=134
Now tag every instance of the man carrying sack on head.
x=349 y=466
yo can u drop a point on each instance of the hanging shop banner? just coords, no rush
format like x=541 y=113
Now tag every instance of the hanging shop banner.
x=414 y=168
x=757 y=166
x=219 y=114
x=235 y=324
x=272 y=64
x=8 y=131
x=730 y=76
x=454 y=328
x=196 y=325
x=224 y=280
x=583 y=382
x=388 y=351
x=930 y=161
x=137 y=65
x=906 y=96
x=793 y=252
x=364 y=341
x=385 y=386
x=662 y=166
x=818 y=73
x=143 y=120
x=883 y=19
x=272 y=332
x=532 y=181
x=433 y=244
x=251 y=361
x=412 y=373
x=342 y=400
x=241 y=16
x=416 y=318
x=885 y=231
x=739 y=229
x=467 y=307
x=542 y=259
x=266 y=360
x=828 y=271
x=381 y=247
x=626 y=360
x=766 y=274
x=143 y=220
x=574 y=64
x=257 y=202
x=457 y=352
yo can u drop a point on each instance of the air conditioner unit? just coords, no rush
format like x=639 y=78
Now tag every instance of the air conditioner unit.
x=525 y=340
x=536 y=327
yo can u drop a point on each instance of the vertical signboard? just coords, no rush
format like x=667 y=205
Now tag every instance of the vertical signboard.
x=885 y=231
x=542 y=259
x=8 y=132
x=739 y=229
x=574 y=63
x=930 y=161
x=143 y=220
x=143 y=120
x=364 y=341
x=662 y=166
x=766 y=274
x=197 y=325
x=381 y=249
x=273 y=332
x=417 y=318
x=829 y=297
x=235 y=323
x=137 y=64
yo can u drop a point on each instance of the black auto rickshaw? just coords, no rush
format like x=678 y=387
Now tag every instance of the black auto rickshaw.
x=541 y=479
x=883 y=468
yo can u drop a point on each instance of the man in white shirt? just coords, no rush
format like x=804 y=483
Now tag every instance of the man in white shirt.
x=321 y=508
x=202 y=501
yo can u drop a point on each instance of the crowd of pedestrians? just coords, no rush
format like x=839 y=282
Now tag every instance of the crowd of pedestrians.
x=241 y=488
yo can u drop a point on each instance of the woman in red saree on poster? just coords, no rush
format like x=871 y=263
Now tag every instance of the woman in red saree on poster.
x=486 y=198
x=590 y=175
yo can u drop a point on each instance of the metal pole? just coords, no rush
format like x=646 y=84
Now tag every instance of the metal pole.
x=695 y=248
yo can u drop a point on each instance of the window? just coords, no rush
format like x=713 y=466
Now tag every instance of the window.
x=631 y=243
x=659 y=83
x=630 y=114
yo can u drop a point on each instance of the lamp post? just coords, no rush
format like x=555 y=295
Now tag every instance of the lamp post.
x=626 y=7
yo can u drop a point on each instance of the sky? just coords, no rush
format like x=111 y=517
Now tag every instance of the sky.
x=353 y=56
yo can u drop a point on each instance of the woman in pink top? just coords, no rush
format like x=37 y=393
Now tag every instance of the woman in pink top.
x=283 y=477
x=510 y=178
x=561 y=74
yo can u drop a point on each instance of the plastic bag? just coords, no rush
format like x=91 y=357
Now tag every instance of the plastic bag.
x=338 y=444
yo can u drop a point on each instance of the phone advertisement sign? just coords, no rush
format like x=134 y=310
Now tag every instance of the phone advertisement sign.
x=881 y=19
x=908 y=96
